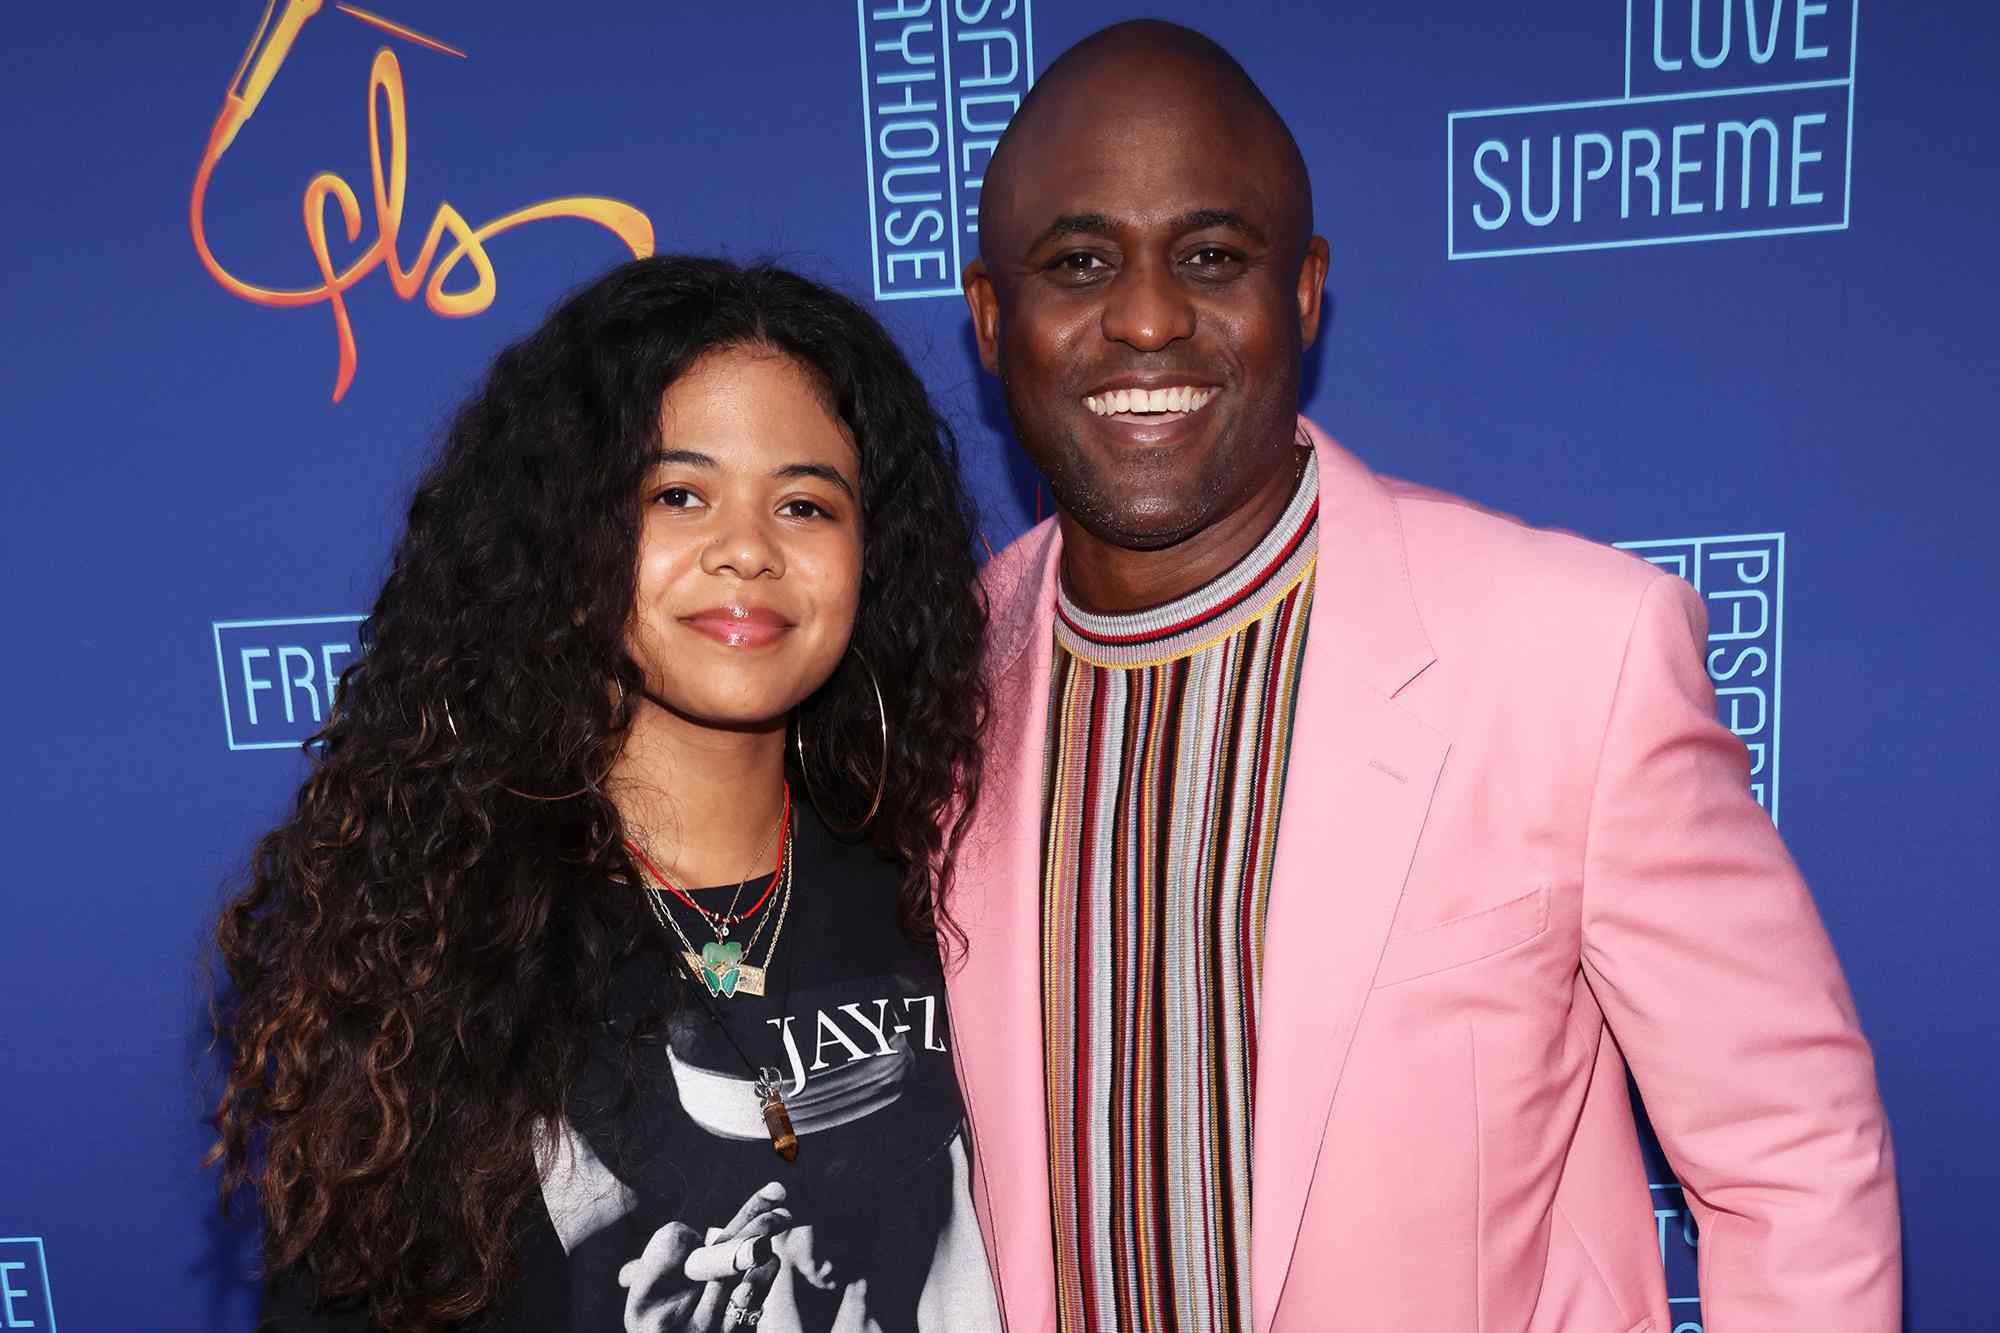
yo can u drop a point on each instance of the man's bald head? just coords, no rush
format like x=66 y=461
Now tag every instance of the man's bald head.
x=1146 y=286
x=1155 y=70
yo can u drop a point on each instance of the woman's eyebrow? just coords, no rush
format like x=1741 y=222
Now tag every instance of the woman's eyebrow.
x=820 y=470
x=684 y=458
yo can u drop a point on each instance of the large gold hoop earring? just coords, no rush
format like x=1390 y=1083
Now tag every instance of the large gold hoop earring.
x=882 y=774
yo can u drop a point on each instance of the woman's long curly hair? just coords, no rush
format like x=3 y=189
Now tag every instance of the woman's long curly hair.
x=422 y=949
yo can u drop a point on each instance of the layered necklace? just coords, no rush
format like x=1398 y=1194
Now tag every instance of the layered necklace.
x=723 y=964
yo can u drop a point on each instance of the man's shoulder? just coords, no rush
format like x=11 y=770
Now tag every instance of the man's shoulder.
x=1493 y=588
x=1534 y=624
x=1015 y=571
x=1012 y=585
x=1456 y=552
x=1459 y=547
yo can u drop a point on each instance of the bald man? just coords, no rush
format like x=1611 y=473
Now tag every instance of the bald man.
x=1342 y=844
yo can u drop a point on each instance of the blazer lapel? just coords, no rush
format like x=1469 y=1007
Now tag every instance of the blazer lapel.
x=1358 y=785
x=996 y=987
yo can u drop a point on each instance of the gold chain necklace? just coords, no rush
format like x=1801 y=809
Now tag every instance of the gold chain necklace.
x=720 y=922
x=724 y=966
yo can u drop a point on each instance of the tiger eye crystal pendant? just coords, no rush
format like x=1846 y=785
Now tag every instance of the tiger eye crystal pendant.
x=777 y=1121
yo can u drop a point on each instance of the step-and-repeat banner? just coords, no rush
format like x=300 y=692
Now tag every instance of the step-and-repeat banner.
x=1711 y=279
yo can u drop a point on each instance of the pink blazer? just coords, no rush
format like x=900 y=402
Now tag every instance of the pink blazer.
x=1517 y=853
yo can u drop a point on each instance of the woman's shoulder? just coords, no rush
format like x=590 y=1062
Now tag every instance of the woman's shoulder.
x=834 y=854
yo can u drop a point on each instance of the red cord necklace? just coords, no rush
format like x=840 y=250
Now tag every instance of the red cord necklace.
x=722 y=918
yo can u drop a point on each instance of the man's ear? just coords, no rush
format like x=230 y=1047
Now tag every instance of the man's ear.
x=1312 y=288
x=985 y=307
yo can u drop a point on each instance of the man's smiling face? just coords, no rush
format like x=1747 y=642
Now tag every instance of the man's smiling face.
x=1145 y=291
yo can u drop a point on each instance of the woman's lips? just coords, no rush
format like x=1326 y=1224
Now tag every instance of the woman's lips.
x=738 y=626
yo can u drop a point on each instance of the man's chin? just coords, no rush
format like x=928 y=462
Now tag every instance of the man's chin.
x=1140 y=523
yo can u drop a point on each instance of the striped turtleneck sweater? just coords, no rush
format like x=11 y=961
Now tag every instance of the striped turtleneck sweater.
x=1169 y=731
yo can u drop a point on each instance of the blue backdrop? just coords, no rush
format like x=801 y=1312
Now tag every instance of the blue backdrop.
x=1712 y=275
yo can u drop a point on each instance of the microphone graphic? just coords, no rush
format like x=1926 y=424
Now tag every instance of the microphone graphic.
x=268 y=48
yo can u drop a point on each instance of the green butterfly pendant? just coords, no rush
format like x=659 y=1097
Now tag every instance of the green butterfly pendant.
x=719 y=970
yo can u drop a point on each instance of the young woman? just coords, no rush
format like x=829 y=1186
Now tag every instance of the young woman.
x=593 y=982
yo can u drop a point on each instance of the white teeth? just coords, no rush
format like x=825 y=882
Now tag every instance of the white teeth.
x=1180 y=398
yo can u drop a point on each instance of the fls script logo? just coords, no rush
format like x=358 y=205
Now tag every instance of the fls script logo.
x=267 y=51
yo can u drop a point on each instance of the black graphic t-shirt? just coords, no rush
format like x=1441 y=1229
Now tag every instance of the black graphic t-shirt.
x=881 y=1232
x=664 y=1145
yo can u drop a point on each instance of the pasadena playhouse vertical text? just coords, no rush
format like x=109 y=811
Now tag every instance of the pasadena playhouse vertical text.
x=940 y=79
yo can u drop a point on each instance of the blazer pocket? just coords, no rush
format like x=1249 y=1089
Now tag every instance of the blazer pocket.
x=1464 y=939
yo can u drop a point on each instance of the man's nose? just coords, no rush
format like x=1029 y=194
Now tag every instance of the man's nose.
x=1147 y=309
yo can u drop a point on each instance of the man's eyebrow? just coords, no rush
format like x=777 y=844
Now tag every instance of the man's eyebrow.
x=1202 y=218
x=820 y=470
x=1075 y=224
x=1100 y=224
